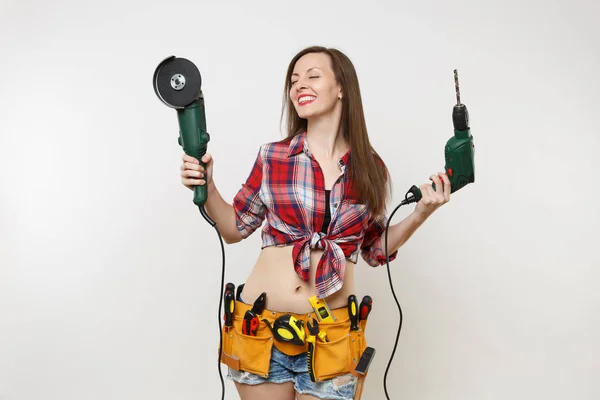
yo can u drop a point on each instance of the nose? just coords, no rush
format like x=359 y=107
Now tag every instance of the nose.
x=301 y=83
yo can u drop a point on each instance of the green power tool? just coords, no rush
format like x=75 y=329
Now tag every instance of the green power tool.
x=460 y=168
x=459 y=151
x=178 y=84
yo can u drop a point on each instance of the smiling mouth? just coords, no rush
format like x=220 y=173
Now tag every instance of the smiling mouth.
x=304 y=100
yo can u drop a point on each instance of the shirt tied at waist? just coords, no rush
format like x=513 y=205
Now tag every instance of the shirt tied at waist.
x=331 y=267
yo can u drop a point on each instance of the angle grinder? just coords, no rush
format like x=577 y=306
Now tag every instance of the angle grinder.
x=178 y=84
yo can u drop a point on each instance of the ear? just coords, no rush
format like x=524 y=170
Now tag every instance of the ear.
x=339 y=89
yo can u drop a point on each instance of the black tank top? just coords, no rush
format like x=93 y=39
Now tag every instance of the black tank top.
x=327 y=219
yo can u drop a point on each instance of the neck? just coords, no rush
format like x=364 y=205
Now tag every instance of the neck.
x=325 y=138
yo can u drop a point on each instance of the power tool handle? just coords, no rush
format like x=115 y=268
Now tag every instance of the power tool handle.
x=201 y=191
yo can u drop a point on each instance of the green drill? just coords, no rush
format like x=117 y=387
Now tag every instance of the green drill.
x=459 y=151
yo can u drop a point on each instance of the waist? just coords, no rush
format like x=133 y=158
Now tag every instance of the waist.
x=340 y=314
x=274 y=274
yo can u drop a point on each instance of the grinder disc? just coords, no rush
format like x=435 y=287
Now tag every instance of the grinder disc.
x=177 y=82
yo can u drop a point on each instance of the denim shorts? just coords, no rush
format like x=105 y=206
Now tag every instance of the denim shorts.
x=284 y=368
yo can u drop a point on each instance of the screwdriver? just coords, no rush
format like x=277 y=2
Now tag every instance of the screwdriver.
x=365 y=307
x=353 y=312
x=230 y=287
x=229 y=308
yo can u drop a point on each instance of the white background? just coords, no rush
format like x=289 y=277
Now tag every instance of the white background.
x=109 y=276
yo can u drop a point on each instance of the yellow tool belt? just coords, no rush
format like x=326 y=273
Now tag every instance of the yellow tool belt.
x=338 y=356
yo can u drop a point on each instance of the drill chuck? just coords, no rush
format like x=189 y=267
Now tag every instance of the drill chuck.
x=460 y=117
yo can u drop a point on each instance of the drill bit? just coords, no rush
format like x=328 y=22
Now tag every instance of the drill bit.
x=456 y=87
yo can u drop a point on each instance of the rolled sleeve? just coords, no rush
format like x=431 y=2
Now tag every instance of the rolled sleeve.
x=249 y=208
x=373 y=246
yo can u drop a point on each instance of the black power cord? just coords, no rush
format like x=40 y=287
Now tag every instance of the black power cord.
x=416 y=196
x=214 y=225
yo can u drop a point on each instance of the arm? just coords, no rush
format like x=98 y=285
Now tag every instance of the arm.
x=248 y=209
x=398 y=234
x=235 y=221
x=373 y=248
x=223 y=214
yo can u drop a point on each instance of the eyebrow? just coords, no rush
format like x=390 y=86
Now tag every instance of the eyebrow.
x=308 y=70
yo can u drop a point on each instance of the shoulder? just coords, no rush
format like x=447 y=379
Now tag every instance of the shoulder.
x=275 y=150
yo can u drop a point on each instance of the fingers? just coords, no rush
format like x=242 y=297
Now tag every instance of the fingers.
x=447 y=186
x=206 y=158
x=190 y=162
x=193 y=182
x=192 y=167
x=187 y=158
x=438 y=183
x=192 y=172
x=438 y=194
x=428 y=194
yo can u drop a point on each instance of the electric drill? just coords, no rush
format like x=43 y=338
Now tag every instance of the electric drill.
x=459 y=151
x=178 y=84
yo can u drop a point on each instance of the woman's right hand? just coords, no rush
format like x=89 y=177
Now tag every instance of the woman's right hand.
x=193 y=174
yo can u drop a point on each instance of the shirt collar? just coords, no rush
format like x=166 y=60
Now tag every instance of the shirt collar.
x=298 y=144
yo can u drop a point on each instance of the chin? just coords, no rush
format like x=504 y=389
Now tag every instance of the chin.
x=305 y=113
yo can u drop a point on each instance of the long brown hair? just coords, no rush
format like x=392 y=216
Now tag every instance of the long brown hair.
x=368 y=173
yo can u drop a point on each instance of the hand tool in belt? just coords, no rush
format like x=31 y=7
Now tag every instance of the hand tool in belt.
x=229 y=304
x=230 y=287
x=313 y=332
x=321 y=309
x=365 y=361
x=259 y=304
x=353 y=312
x=288 y=329
x=365 y=307
x=251 y=321
x=238 y=292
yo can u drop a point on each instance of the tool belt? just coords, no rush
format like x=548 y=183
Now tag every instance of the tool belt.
x=252 y=353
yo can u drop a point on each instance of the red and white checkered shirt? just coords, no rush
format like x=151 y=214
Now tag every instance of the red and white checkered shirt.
x=286 y=186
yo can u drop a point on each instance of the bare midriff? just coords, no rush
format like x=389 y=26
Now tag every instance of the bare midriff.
x=275 y=275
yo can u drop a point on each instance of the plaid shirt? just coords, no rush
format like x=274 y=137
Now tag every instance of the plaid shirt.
x=286 y=186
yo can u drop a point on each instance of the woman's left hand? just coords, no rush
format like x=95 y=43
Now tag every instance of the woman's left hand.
x=433 y=199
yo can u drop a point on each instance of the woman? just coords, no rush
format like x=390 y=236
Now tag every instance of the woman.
x=322 y=191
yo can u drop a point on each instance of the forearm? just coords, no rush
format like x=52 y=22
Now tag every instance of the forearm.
x=399 y=233
x=223 y=214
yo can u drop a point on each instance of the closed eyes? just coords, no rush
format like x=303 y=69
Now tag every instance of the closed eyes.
x=310 y=77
